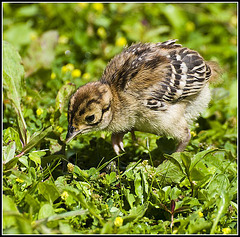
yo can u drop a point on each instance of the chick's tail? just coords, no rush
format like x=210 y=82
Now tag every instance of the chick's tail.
x=216 y=72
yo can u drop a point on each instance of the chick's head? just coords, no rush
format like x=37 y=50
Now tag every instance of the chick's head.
x=89 y=109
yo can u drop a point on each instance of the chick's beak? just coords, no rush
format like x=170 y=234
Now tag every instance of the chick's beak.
x=71 y=133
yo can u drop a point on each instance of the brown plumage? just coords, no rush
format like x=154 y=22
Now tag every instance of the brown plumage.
x=157 y=88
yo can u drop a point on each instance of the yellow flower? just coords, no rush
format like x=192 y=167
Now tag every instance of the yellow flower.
x=200 y=214
x=118 y=221
x=121 y=41
x=59 y=129
x=53 y=75
x=86 y=75
x=52 y=120
x=190 y=26
x=64 y=69
x=226 y=230
x=193 y=134
x=70 y=167
x=70 y=66
x=67 y=68
x=39 y=111
x=98 y=7
x=76 y=73
x=33 y=36
x=64 y=195
x=29 y=98
x=102 y=32
x=63 y=39
x=19 y=180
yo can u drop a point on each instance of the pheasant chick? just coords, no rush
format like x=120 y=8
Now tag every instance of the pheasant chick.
x=158 y=88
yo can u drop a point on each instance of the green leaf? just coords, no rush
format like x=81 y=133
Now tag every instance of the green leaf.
x=217 y=184
x=130 y=197
x=198 y=224
x=200 y=156
x=223 y=204
x=91 y=208
x=174 y=161
x=84 y=187
x=167 y=191
x=203 y=181
x=13 y=73
x=27 y=11
x=170 y=172
x=14 y=31
x=24 y=160
x=138 y=186
x=10 y=134
x=51 y=216
x=186 y=160
x=68 y=214
x=174 y=194
x=111 y=177
x=63 y=96
x=9 y=161
x=45 y=211
x=34 y=141
x=32 y=202
x=22 y=176
x=9 y=152
x=36 y=156
x=32 y=173
x=49 y=191
x=50 y=159
x=80 y=172
x=145 y=185
x=136 y=213
x=8 y=206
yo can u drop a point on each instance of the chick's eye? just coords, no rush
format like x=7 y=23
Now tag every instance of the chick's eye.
x=90 y=118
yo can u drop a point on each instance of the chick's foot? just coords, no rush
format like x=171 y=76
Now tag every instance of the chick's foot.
x=117 y=142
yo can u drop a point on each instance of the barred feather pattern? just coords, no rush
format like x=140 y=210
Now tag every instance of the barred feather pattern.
x=188 y=73
x=185 y=72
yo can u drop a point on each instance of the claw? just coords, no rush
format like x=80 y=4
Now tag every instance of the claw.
x=116 y=149
x=121 y=146
x=117 y=142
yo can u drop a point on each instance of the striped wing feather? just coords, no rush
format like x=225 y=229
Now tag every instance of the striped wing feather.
x=164 y=72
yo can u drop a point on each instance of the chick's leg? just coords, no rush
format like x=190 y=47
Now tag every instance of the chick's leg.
x=133 y=135
x=117 y=142
x=183 y=143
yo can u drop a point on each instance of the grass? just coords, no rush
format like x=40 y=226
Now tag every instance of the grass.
x=49 y=50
